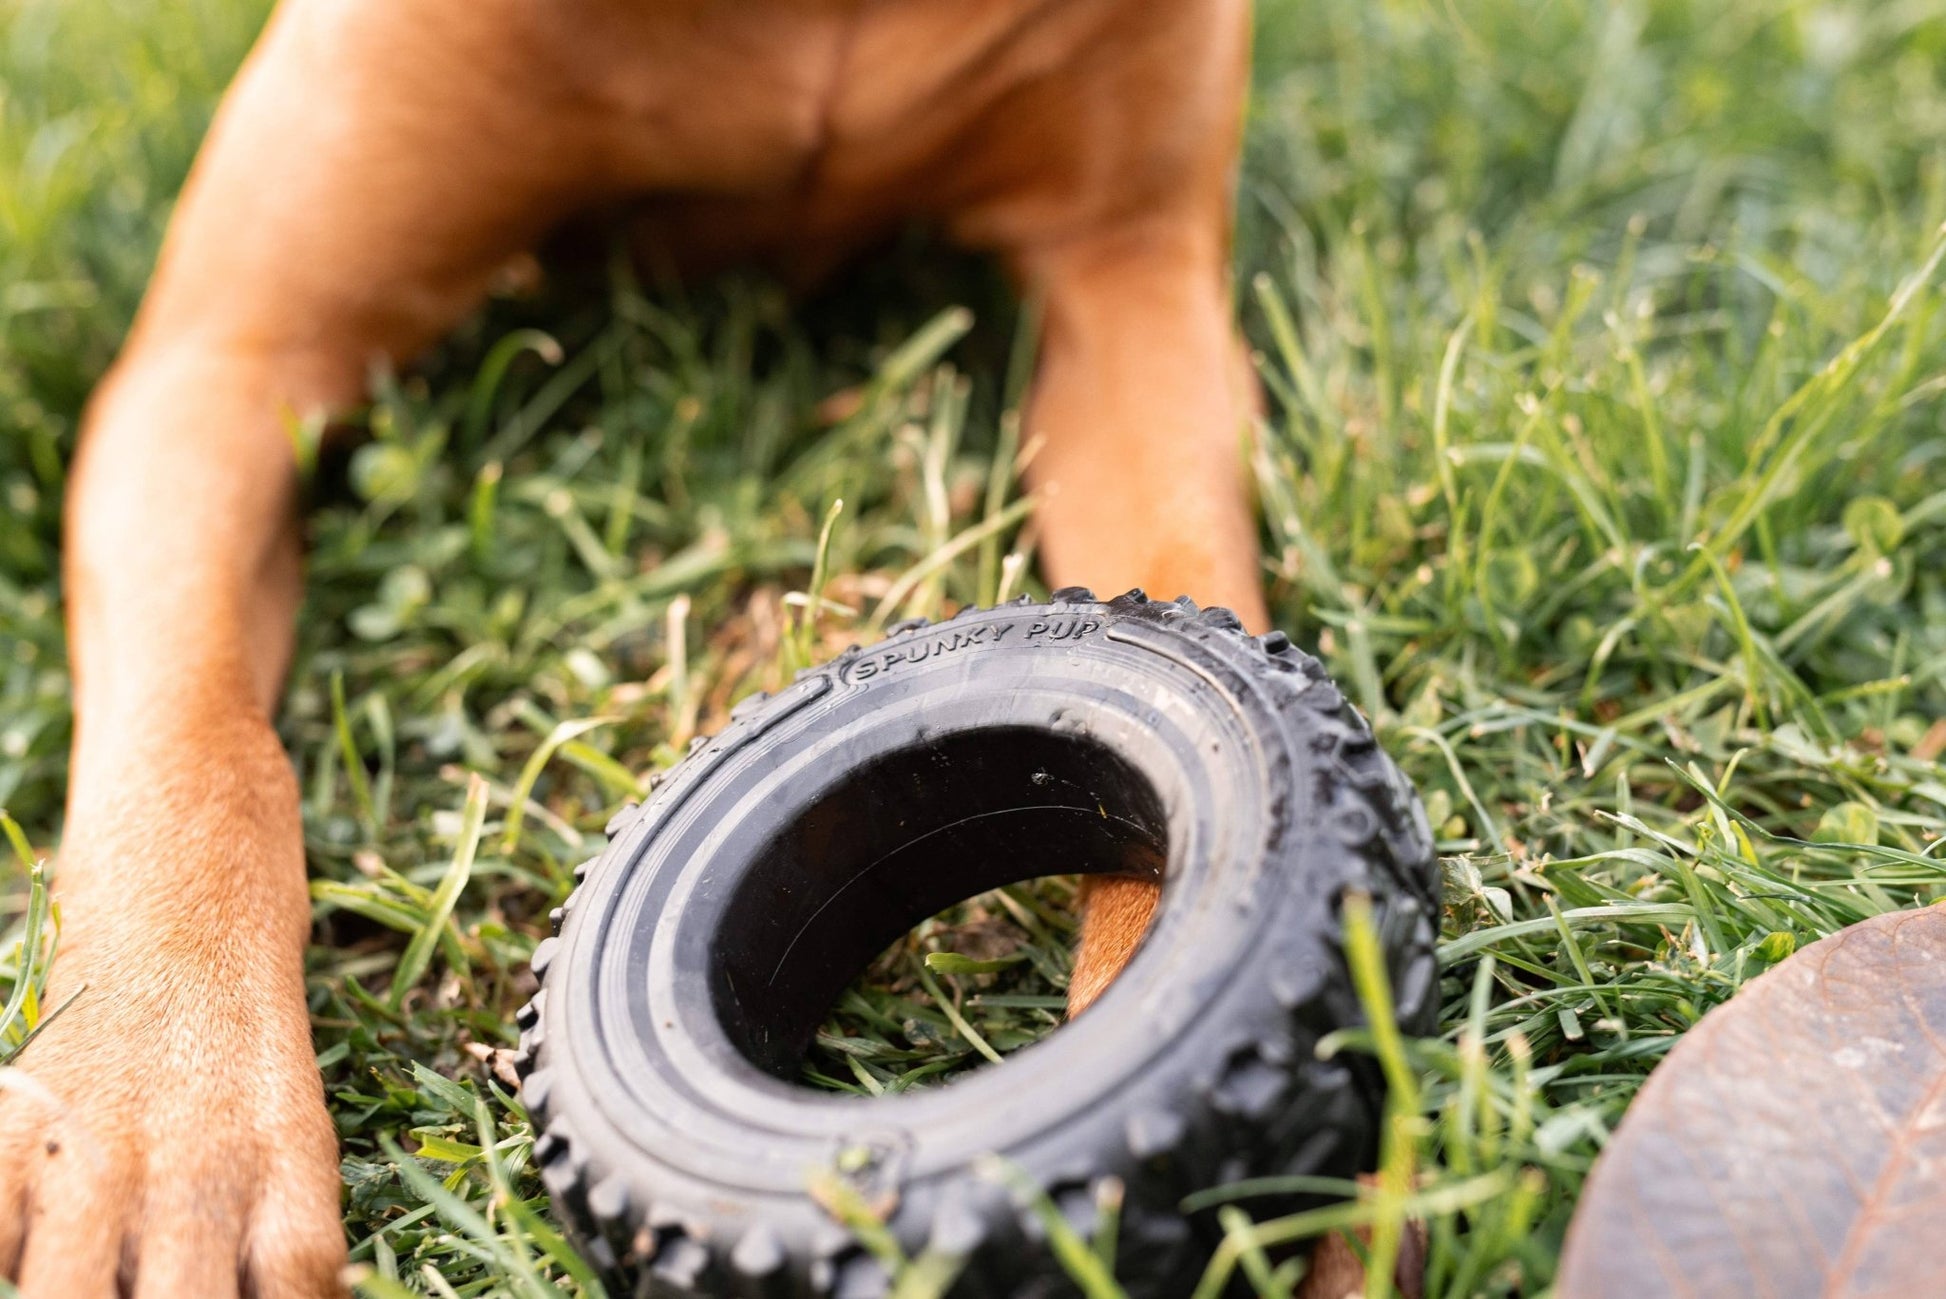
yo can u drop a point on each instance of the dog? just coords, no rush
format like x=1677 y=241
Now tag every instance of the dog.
x=373 y=169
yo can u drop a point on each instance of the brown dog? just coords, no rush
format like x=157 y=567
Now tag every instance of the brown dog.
x=376 y=162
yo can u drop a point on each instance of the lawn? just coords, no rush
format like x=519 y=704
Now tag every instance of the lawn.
x=1605 y=465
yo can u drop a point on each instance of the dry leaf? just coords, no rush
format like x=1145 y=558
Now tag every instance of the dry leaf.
x=1794 y=1143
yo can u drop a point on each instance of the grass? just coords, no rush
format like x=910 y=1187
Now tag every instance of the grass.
x=1603 y=464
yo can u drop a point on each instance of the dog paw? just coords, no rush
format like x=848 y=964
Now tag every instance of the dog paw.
x=169 y=1140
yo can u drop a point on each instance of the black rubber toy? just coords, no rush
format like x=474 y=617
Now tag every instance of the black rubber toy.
x=703 y=948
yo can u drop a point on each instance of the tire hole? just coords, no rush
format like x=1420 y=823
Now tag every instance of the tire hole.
x=994 y=966
x=898 y=857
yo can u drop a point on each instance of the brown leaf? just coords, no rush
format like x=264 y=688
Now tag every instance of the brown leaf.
x=1794 y=1143
x=1335 y=1271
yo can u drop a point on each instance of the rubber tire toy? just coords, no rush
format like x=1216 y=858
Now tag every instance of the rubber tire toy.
x=699 y=953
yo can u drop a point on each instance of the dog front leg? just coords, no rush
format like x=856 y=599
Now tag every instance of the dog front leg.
x=1143 y=405
x=375 y=163
x=170 y=1134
